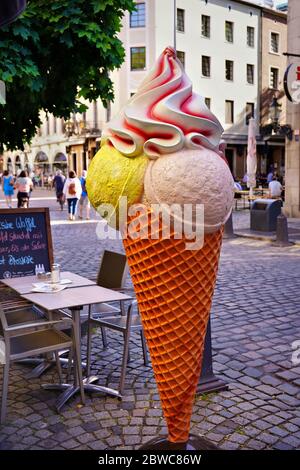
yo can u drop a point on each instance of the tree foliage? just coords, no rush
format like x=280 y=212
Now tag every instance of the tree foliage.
x=57 y=52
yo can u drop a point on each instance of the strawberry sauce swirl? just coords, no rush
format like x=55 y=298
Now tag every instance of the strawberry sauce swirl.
x=164 y=115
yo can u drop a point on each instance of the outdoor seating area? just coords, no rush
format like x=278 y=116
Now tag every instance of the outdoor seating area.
x=149 y=232
x=247 y=354
x=33 y=331
x=243 y=199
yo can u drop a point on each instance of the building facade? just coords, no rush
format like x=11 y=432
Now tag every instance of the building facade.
x=224 y=47
x=271 y=154
x=218 y=43
x=292 y=199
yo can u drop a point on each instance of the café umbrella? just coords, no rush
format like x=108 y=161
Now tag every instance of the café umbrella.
x=251 y=156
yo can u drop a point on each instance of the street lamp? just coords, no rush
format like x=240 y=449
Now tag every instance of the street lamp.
x=69 y=127
x=274 y=127
x=275 y=112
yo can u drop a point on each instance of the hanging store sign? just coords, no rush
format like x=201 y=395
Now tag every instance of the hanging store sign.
x=292 y=82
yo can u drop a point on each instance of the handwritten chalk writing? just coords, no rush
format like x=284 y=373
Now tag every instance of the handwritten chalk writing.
x=25 y=247
x=27 y=223
x=13 y=261
x=19 y=236
x=23 y=241
x=38 y=245
x=37 y=235
x=4 y=225
x=3 y=237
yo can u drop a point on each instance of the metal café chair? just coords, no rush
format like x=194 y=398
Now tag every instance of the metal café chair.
x=124 y=324
x=22 y=340
x=112 y=274
x=24 y=311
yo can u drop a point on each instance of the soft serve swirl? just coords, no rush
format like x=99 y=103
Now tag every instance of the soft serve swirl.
x=164 y=115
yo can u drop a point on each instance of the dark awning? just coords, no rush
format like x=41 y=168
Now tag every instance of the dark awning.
x=60 y=157
x=41 y=157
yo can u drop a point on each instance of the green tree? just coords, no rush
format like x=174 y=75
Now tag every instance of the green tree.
x=55 y=54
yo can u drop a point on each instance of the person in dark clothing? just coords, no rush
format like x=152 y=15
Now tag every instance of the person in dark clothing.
x=58 y=184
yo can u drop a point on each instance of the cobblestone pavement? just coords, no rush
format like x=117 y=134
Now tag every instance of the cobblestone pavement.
x=255 y=320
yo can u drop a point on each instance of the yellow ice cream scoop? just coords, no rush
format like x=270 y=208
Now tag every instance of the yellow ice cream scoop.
x=112 y=175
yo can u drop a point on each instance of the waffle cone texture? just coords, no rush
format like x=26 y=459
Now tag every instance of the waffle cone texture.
x=174 y=289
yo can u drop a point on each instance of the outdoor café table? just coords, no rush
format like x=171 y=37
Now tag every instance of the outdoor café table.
x=74 y=300
x=23 y=285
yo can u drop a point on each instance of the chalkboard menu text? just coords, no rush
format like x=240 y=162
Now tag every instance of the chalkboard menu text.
x=25 y=241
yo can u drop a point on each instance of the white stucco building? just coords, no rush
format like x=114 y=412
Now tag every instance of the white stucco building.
x=219 y=43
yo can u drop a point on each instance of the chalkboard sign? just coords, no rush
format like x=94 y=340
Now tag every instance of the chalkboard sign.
x=25 y=241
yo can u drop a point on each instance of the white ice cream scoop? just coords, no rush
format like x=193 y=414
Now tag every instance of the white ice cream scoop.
x=196 y=176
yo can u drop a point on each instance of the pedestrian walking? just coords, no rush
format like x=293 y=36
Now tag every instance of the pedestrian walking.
x=24 y=185
x=8 y=187
x=72 y=192
x=49 y=181
x=58 y=184
x=84 y=200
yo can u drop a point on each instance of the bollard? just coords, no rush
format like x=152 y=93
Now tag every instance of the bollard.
x=208 y=382
x=282 y=233
x=228 y=229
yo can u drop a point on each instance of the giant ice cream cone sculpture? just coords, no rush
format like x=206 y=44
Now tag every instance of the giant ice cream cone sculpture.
x=163 y=148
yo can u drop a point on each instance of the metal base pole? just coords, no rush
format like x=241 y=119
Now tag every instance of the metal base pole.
x=208 y=382
x=193 y=443
x=282 y=232
x=42 y=364
x=228 y=229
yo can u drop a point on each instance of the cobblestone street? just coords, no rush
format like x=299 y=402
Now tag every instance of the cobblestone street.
x=255 y=320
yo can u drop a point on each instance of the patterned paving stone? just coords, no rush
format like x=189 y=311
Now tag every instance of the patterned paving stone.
x=255 y=319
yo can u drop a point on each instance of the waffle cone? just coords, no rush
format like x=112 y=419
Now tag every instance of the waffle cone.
x=174 y=288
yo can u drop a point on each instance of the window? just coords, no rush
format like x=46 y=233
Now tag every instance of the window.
x=249 y=112
x=207 y=102
x=229 y=31
x=274 y=43
x=229 y=70
x=205 y=26
x=181 y=57
x=47 y=126
x=229 y=112
x=138 y=58
x=250 y=74
x=250 y=36
x=205 y=66
x=274 y=78
x=180 y=20
x=138 y=17
x=54 y=125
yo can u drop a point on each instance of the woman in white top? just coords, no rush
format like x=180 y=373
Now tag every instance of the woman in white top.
x=24 y=185
x=72 y=192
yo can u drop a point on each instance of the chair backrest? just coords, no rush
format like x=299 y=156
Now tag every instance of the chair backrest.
x=113 y=270
x=3 y=322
